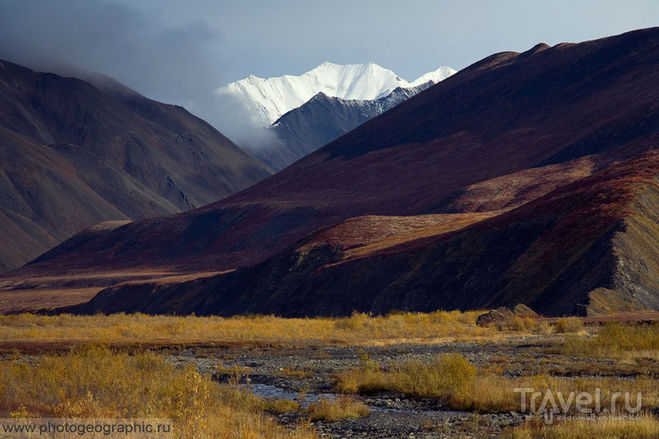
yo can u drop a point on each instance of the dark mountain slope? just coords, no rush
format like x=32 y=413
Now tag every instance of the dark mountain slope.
x=598 y=232
x=72 y=155
x=508 y=113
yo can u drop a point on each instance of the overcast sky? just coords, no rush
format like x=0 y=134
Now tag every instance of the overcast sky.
x=176 y=50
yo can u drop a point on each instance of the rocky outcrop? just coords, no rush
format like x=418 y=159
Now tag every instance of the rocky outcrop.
x=504 y=314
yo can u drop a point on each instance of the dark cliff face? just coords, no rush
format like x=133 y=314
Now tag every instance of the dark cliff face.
x=74 y=155
x=540 y=122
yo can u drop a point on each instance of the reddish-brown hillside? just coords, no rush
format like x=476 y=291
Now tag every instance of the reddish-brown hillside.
x=589 y=245
x=505 y=115
x=73 y=154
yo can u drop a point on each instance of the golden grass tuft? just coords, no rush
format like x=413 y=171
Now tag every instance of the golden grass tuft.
x=96 y=382
x=135 y=329
x=280 y=406
x=460 y=386
x=288 y=372
x=616 y=340
x=449 y=377
x=568 y=324
x=333 y=410
x=644 y=427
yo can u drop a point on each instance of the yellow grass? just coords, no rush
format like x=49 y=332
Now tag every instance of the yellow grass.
x=143 y=329
x=568 y=324
x=333 y=410
x=616 y=340
x=449 y=377
x=495 y=393
x=282 y=406
x=459 y=385
x=288 y=372
x=97 y=383
x=645 y=427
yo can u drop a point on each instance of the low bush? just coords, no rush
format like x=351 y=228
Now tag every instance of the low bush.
x=448 y=377
x=645 y=427
x=333 y=410
x=95 y=382
x=616 y=340
x=568 y=324
x=459 y=385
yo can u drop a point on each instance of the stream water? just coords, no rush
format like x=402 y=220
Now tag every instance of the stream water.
x=274 y=392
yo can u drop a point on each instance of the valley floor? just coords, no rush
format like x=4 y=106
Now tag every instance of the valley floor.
x=405 y=375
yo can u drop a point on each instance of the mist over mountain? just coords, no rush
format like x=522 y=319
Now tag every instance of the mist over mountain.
x=76 y=153
x=246 y=110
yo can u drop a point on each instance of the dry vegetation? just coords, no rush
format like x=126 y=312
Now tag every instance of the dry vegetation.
x=108 y=382
x=337 y=409
x=144 y=329
x=450 y=378
x=568 y=324
x=98 y=383
x=644 y=427
x=616 y=340
x=460 y=386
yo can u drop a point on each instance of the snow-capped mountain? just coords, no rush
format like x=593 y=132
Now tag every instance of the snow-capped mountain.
x=265 y=100
x=319 y=121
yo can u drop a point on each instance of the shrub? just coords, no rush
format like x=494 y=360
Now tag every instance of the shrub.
x=449 y=377
x=518 y=323
x=615 y=340
x=460 y=386
x=333 y=410
x=140 y=329
x=568 y=324
x=355 y=322
x=97 y=382
x=280 y=406
x=645 y=427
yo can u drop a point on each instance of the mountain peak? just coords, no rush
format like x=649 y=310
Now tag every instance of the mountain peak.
x=435 y=76
x=267 y=99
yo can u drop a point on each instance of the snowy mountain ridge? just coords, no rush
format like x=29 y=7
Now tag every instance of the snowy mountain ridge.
x=266 y=99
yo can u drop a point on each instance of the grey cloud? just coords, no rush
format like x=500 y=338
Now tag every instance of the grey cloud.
x=172 y=62
x=179 y=51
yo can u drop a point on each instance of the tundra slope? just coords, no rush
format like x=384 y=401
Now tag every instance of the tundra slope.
x=556 y=254
x=73 y=154
x=558 y=113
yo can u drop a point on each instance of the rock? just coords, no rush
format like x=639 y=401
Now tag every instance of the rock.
x=494 y=316
x=524 y=311
x=502 y=314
